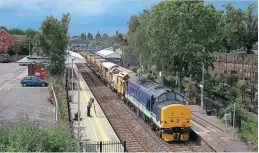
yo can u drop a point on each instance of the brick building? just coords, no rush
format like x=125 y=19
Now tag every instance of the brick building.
x=246 y=65
x=9 y=41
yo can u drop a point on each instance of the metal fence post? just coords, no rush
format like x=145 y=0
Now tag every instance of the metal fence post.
x=101 y=146
x=124 y=146
x=56 y=103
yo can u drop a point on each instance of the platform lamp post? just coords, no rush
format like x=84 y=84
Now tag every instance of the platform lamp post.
x=78 y=84
x=73 y=81
x=234 y=115
x=68 y=63
x=202 y=84
x=202 y=87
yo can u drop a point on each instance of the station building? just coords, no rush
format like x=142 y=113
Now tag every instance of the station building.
x=35 y=63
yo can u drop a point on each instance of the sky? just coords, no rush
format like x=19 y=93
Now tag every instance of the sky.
x=107 y=16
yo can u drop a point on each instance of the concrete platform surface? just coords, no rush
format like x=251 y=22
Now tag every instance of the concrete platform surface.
x=97 y=127
x=217 y=135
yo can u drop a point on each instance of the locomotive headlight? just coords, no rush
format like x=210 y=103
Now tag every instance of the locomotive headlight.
x=187 y=121
x=177 y=120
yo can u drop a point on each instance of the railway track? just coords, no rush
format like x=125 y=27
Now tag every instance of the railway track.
x=128 y=127
x=202 y=121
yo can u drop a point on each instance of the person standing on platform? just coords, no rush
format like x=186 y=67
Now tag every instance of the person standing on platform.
x=91 y=101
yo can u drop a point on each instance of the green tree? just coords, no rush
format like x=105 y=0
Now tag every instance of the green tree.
x=249 y=34
x=31 y=33
x=239 y=29
x=24 y=47
x=53 y=41
x=242 y=86
x=90 y=36
x=120 y=37
x=83 y=36
x=255 y=46
x=4 y=27
x=16 y=31
x=231 y=28
x=138 y=39
x=10 y=50
x=180 y=48
x=189 y=87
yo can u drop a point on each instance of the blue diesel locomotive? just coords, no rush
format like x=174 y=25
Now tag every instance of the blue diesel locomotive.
x=161 y=107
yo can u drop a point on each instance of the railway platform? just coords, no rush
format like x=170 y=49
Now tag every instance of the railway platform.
x=214 y=133
x=95 y=128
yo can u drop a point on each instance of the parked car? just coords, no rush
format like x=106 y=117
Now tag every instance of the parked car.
x=5 y=60
x=22 y=64
x=33 y=81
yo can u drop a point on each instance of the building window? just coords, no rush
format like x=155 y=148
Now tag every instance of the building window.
x=3 y=40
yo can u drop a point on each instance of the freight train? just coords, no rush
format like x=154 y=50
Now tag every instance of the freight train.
x=162 y=108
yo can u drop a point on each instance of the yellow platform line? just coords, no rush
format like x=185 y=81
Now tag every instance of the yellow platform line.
x=97 y=120
x=201 y=127
x=92 y=126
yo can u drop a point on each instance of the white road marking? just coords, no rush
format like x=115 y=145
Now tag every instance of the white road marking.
x=34 y=105
x=3 y=86
x=33 y=110
x=11 y=75
x=36 y=118
x=4 y=76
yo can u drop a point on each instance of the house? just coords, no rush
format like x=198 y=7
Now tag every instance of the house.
x=98 y=36
x=7 y=40
x=77 y=45
x=110 y=56
x=105 y=37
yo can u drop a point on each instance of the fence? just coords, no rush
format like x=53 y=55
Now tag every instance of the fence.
x=104 y=146
x=68 y=105
x=56 y=103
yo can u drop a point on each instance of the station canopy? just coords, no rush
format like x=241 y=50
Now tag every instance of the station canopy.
x=39 y=59
x=77 y=58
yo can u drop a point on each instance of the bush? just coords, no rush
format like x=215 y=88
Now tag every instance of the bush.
x=29 y=137
x=249 y=131
x=149 y=76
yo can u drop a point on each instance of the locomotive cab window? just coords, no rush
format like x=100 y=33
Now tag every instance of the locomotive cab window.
x=156 y=101
x=162 y=98
x=170 y=96
x=179 y=97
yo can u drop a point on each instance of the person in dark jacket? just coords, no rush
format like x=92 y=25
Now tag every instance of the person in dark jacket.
x=91 y=101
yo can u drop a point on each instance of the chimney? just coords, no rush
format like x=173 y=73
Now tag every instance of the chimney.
x=117 y=33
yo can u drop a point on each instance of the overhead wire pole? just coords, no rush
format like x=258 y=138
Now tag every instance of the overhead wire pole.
x=202 y=86
x=234 y=115
x=29 y=46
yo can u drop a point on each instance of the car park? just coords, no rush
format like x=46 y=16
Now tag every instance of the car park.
x=33 y=81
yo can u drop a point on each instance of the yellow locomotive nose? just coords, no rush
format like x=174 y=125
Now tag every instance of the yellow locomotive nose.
x=175 y=115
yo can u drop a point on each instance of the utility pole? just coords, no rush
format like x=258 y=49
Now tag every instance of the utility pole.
x=78 y=75
x=234 y=115
x=202 y=86
x=73 y=81
x=29 y=46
